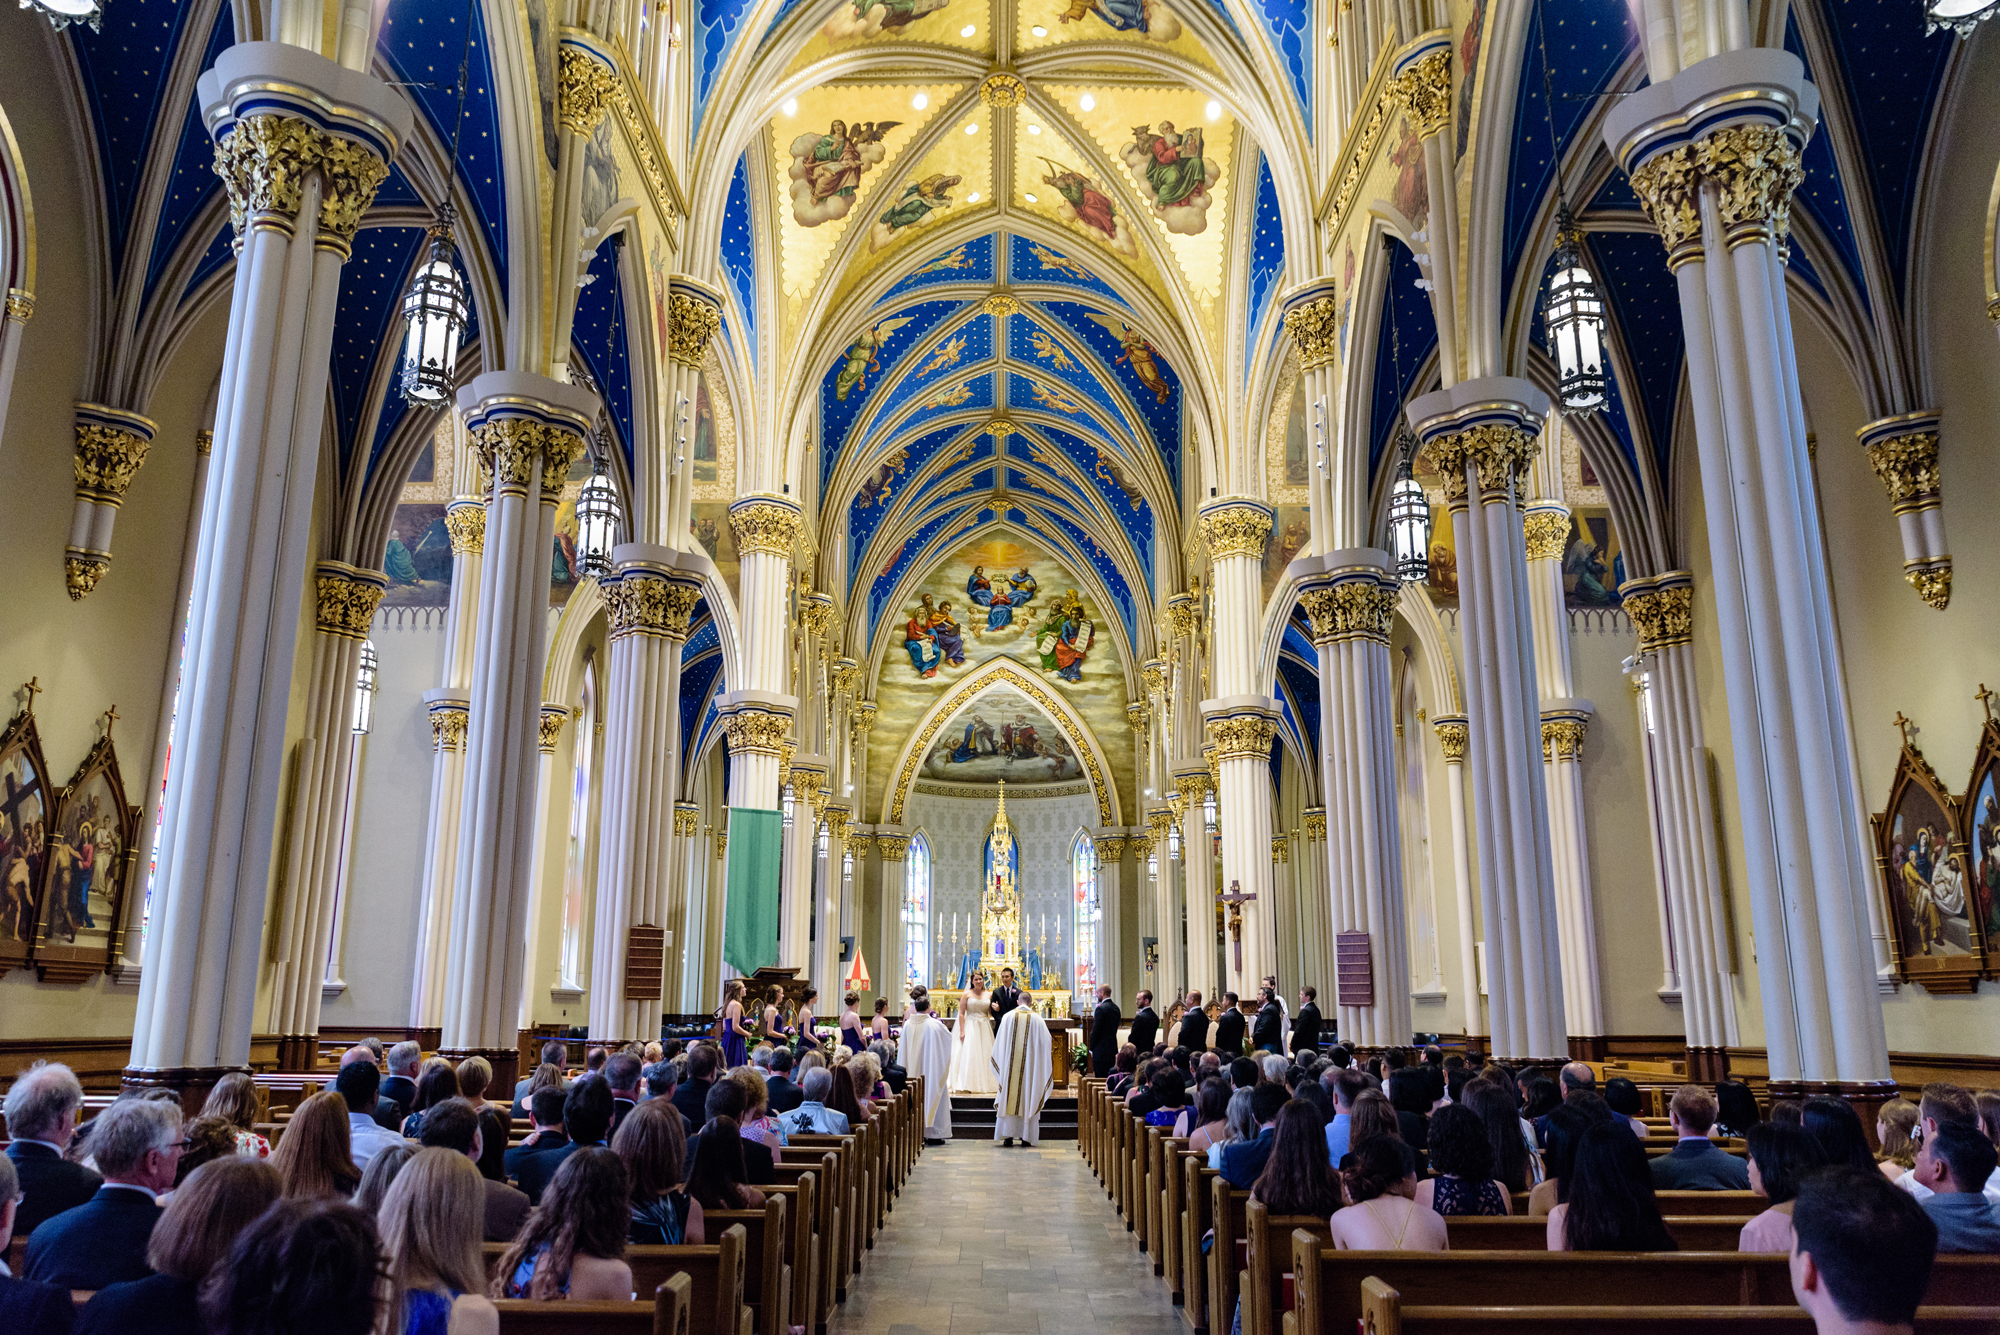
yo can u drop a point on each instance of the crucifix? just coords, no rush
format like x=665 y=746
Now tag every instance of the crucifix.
x=1984 y=696
x=110 y=717
x=33 y=688
x=1236 y=899
x=1907 y=726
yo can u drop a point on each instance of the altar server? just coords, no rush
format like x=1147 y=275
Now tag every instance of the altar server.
x=1024 y=1062
x=927 y=1053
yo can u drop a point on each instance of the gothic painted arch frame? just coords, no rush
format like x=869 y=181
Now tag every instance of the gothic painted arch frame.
x=1979 y=824
x=87 y=863
x=27 y=803
x=1935 y=937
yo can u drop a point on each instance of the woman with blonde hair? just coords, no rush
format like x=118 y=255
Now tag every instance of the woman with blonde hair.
x=216 y=1202
x=314 y=1157
x=380 y=1174
x=1893 y=1127
x=474 y=1075
x=758 y=1123
x=876 y=1089
x=432 y=1221
x=234 y=1100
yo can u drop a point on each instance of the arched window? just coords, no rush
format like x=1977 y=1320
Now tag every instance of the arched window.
x=917 y=914
x=367 y=675
x=576 y=869
x=1088 y=936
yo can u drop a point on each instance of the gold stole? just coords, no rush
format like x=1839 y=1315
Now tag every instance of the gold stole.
x=1017 y=1064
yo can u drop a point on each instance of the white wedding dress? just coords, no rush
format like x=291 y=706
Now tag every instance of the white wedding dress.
x=972 y=1052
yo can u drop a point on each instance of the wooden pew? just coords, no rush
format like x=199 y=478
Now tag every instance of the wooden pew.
x=804 y=1244
x=1513 y=1233
x=1327 y=1282
x=1226 y=1205
x=667 y=1314
x=1197 y=1216
x=714 y=1275
x=847 y=1196
x=1384 y=1314
x=1737 y=1203
x=767 y=1272
x=1261 y=1284
x=1172 y=1183
x=826 y=1228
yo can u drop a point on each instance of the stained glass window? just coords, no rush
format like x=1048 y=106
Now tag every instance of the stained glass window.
x=580 y=822
x=917 y=914
x=1089 y=933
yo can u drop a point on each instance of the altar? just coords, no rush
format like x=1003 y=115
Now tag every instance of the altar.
x=1000 y=937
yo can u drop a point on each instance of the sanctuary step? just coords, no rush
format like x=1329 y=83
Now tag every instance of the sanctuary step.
x=972 y=1117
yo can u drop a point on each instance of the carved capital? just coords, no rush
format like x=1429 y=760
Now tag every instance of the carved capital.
x=1191 y=788
x=860 y=719
x=1353 y=609
x=1315 y=328
x=20 y=305
x=264 y=161
x=1111 y=848
x=1452 y=737
x=1153 y=676
x=687 y=819
x=1141 y=846
x=691 y=323
x=513 y=449
x=756 y=732
x=764 y=525
x=465 y=522
x=553 y=718
x=585 y=91
x=816 y=614
x=1669 y=188
x=842 y=675
x=641 y=603
x=1183 y=615
x=1545 y=529
x=1425 y=88
x=1756 y=168
x=1932 y=583
x=108 y=456
x=81 y=573
x=345 y=602
x=1313 y=824
x=1281 y=848
x=448 y=724
x=1562 y=738
x=1499 y=453
x=895 y=847
x=1908 y=467
x=1236 y=530
x=1002 y=89
x=204 y=441
x=1243 y=736
x=1138 y=715
x=1664 y=616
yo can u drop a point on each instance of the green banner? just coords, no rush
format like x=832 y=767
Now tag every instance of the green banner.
x=750 y=915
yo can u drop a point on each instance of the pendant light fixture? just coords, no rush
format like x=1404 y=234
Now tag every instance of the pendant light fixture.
x=1574 y=313
x=436 y=306
x=1409 y=509
x=62 y=13
x=597 y=516
x=1961 y=16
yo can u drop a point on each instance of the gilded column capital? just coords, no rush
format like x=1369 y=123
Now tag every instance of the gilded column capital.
x=20 y=305
x=111 y=445
x=553 y=718
x=1313 y=824
x=640 y=602
x=756 y=731
x=687 y=819
x=1360 y=605
x=1545 y=530
x=1669 y=188
x=204 y=442
x=346 y=599
x=1453 y=734
x=1243 y=735
x=842 y=675
x=1183 y=614
x=585 y=90
x=691 y=323
x=1141 y=846
x=1158 y=821
x=465 y=523
x=519 y=451
x=1662 y=608
x=264 y=161
x=895 y=847
x=1111 y=848
x=1755 y=168
x=859 y=844
x=1424 y=87
x=786 y=750
x=1236 y=528
x=1500 y=454
x=1138 y=714
x=1281 y=848
x=765 y=524
x=860 y=719
x=1213 y=759
x=816 y=613
x=1153 y=676
x=82 y=570
x=448 y=724
x=1562 y=737
x=1932 y=582
x=1903 y=451
x=1315 y=329
x=1191 y=786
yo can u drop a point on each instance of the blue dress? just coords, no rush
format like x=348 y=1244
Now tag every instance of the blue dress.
x=734 y=1051
x=428 y=1312
x=851 y=1039
x=524 y=1275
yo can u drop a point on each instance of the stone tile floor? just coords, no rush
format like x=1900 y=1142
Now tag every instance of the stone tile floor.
x=992 y=1241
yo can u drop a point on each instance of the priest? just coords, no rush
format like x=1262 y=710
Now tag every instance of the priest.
x=1023 y=1060
x=927 y=1053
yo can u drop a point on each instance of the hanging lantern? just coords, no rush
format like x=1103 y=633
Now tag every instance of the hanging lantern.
x=1173 y=843
x=1961 y=16
x=436 y=309
x=364 y=688
x=1575 y=317
x=1409 y=522
x=597 y=516
x=786 y=804
x=62 y=13
x=1208 y=809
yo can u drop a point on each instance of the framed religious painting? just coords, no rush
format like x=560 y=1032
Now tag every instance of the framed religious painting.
x=1936 y=940
x=85 y=868
x=1979 y=820
x=26 y=804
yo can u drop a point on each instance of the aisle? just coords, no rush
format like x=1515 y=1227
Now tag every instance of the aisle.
x=992 y=1241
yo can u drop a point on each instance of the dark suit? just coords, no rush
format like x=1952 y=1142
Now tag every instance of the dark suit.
x=1104 y=1022
x=1229 y=1027
x=896 y=1076
x=39 y=1309
x=400 y=1089
x=506 y=1210
x=535 y=1166
x=1305 y=1028
x=157 y=1305
x=1194 y=1031
x=51 y=1183
x=1145 y=1030
x=784 y=1095
x=100 y=1243
x=1698 y=1165
x=691 y=1097
x=1004 y=1000
x=1267 y=1032
x=1243 y=1164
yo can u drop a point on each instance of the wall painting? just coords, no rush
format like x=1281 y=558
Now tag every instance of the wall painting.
x=1937 y=940
x=86 y=864
x=25 y=805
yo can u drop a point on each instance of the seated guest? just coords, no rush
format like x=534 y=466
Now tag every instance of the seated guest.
x=1463 y=1162
x=1954 y=1164
x=1837 y=1128
x=1789 y=1112
x=662 y=1077
x=1159 y=1104
x=1373 y=1116
x=301 y=1268
x=622 y=1074
x=380 y=1175
x=728 y=1098
x=1697 y=1163
x=313 y=1157
x=1124 y=1070
x=204 y=1140
x=430 y=1225
x=1621 y=1096
x=496 y=1128
x=359 y=1083
x=1780 y=1158
x=1297 y=1179
x=1862 y=1252
x=1346 y=1085
x=475 y=1074
x=1204 y=1121
x=812 y=1116
x=573 y=1245
x=209 y=1209
x=41 y=1109
x=878 y=1088
x=137 y=1143
x=399 y=1086
x=719 y=1178
x=436 y=1082
x=893 y=1075
x=1382 y=1215
x=1243 y=1164
x=1540 y=1098
x=1565 y=1127
x=545 y=1114
x=1410 y=1095
x=652 y=1144
x=1611 y=1206
x=594 y=1059
x=25 y=1306
x=841 y=1098
x=1735 y=1107
x=457 y=1126
x=1271 y=1067
x=1240 y=1127
x=783 y=1094
x=1516 y=1165
x=234 y=1100
x=1894 y=1122
x=1938 y=1105
x=586 y=1117
x=703 y=1060
x=554 y=1053
x=756 y=1122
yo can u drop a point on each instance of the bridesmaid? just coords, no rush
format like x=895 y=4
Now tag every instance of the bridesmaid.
x=879 y=1026
x=735 y=1034
x=850 y=1025
x=771 y=1031
x=807 y=1041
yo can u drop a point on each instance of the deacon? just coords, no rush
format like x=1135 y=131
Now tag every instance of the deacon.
x=1024 y=1060
x=927 y=1053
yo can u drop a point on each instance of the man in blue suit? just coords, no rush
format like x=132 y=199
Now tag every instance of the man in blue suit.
x=137 y=1144
x=1243 y=1164
x=34 y=1309
x=1697 y=1163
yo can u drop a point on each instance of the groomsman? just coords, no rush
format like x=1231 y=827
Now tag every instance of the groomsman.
x=1305 y=1027
x=1104 y=1022
x=1268 y=1033
x=1229 y=1027
x=1194 y=1025
x=1145 y=1026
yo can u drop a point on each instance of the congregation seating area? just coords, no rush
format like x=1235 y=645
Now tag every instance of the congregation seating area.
x=1283 y=1275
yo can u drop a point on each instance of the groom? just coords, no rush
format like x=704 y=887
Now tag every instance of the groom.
x=1005 y=998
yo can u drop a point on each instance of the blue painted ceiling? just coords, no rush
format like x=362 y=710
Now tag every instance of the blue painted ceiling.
x=1415 y=333
x=739 y=251
x=1643 y=303
x=1267 y=252
x=364 y=329
x=600 y=335
x=193 y=182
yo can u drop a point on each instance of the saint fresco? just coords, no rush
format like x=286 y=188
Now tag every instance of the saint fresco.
x=84 y=868
x=1984 y=815
x=872 y=18
x=918 y=201
x=1172 y=171
x=1087 y=204
x=1149 y=18
x=1002 y=735
x=1137 y=353
x=826 y=169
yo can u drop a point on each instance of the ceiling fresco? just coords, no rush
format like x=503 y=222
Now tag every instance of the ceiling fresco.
x=1002 y=734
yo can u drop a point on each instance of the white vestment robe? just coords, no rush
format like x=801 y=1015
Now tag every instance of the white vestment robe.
x=927 y=1052
x=1024 y=1061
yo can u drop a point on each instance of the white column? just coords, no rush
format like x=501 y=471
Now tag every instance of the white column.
x=553 y=718
x=529 y=430
x=1481 y=435
x=346 y=602
x=111 y=444
x=1197 y=871
x=760 y=715
x=1242 y=721
x=1111 y=845
x=1350 y=598
x=649 y=601
x=694 y=314
x=14 y=317
x=301 y=145
x=1314 y=904
x=1453 y=734
x=1714 y=155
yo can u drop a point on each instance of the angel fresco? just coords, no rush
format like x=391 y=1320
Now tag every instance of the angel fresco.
x=863 y=355
x=1172 y=169
x=1139 y=353
x=872 y=18
x=878 y=486
x=1088 y=204
x=919 y=199
x=826 y=169
x=1148 y=18
x=1108 y=470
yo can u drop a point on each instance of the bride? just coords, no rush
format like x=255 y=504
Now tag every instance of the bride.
x=972 y=1054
